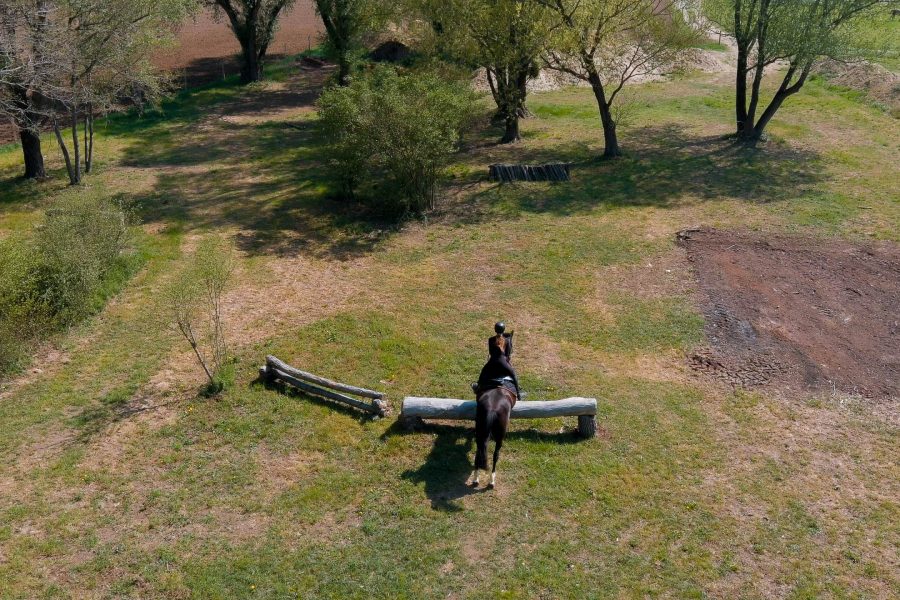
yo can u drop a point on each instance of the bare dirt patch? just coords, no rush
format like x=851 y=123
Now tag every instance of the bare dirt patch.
x=798 y=313
x=878 y=83
x=206 y=47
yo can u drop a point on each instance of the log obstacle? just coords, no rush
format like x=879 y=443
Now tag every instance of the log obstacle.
x=415 y=409
x=314 y=385
x=548 y=172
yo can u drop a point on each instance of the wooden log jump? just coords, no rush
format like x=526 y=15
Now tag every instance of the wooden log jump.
x=416 y=408
x=548 y=172
x=316 y=386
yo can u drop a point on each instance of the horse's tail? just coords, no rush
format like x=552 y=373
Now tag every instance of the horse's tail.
x=490 y=419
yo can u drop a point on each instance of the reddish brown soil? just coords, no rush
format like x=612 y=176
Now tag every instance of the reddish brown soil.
x=206 y=44
x=792 y=312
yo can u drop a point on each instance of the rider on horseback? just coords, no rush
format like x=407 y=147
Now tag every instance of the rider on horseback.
x=498 y=372
x=496 y=394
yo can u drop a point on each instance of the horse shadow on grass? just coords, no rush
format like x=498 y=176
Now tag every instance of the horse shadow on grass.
x=448 y=465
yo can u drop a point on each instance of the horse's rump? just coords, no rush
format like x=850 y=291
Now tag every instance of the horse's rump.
x=506 y=390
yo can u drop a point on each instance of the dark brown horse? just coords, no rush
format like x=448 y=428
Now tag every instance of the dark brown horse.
x=491 y=421
x=495 y=398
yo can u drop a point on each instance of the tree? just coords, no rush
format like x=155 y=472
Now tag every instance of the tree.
x=795 y=32
x=101 y=54
x=390 y=134
x=253 y=23
x=196 y=302
x=22 y=40
x=505 y=37
x=73 y=59
x=608 y=43
x=346 y=21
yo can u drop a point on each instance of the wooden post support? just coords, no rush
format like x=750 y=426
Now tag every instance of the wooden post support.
x=587 y=426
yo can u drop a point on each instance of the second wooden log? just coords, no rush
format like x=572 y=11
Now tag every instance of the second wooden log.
x=282 y=366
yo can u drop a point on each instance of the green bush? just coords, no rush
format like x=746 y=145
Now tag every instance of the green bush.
x=79 y=243
x=60 y=274
x=389 y=134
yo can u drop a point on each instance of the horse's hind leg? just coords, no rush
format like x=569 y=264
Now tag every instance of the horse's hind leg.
x=480 y=458
x=482 y=432
x=499 y=434
x=497 y=445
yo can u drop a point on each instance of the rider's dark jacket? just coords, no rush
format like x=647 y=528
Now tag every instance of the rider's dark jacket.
x=498 y=371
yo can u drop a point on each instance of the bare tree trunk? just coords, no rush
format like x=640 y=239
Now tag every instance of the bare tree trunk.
x=610 y=139
x=742 y=39
x=511 y=131
x=65 y=153
x=509 y=90
x=522 y=85
x=77 y=162
x=89 y=139
x=784 y=90
x=343 y=67
x=251 y=65
x=29 y=134
x=31 y=151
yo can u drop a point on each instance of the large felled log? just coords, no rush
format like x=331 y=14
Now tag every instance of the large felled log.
x=375 y=408
x=282 y=366
x=449 y=408
x=415 y=409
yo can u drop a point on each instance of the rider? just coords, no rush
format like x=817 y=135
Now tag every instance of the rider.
x=497 y=371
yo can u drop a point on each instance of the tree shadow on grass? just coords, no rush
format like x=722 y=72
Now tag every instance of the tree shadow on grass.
x=268 y=182
x=448 y=464
x=665 y=166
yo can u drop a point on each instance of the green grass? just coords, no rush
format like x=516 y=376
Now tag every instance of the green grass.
x=709 y=44
x=119 y=480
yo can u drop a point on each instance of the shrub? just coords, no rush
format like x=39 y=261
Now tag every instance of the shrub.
x=18 y=312
x=389 y=134
x=60 y=274
x=79 y=244
x=195 y=305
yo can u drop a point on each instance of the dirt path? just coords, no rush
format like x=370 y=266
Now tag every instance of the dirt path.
x=799 y=313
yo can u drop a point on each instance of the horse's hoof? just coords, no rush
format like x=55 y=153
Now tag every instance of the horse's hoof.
x=473 y=484
x=490 y=486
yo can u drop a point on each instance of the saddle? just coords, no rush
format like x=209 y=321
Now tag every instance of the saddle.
x=489 y=384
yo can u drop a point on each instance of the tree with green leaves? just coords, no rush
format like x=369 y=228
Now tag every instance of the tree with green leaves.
x=504 y=37
x=73 y=59
x=608 y=43
x=103 y=55
x=346 y=23
x=794 y=33
x=389 y=134
x=23 y=62
x=254 y=23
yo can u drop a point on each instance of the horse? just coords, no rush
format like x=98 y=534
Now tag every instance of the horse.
x=496 y=394
x=491 y=420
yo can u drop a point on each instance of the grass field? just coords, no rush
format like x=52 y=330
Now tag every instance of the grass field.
x=118 y=480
